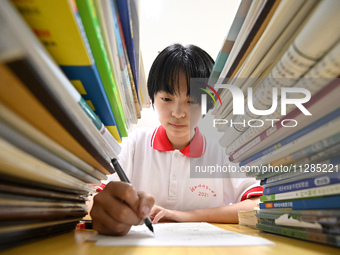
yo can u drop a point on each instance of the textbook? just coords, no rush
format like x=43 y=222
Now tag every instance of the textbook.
x=304 y=52
x=247 y=218
x=29 y=110
x=320 y=80
x=124 y=58
x=330 y=165
x=325 y=99
x=127 y=29
x=308 y=151
x=301 y=234
x=325 y=228
x=326 y=202
x=30 y=168
x=127 y=61
x=33 y=148
x=229 y=41
x=320 y=216
x=59 y=28
x=303 y=193
x=11 y=236
x=272 y=56
x=307 y=183
x=91 y=25
x=315 y=132
x=111 y=35
x=314 y=159
x=40 y=74
x=262 y=14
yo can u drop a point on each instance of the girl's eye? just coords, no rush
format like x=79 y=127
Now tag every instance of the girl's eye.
x=166 y=99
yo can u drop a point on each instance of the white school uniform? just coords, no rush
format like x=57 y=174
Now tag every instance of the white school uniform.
x=153 y=166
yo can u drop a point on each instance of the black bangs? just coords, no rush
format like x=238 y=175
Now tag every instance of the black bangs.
x=165 y=70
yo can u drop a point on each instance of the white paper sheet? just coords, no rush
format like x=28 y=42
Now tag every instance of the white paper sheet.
x=180 y=234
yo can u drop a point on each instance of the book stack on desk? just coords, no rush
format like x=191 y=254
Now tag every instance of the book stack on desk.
x=54 y=148
x=295 y=149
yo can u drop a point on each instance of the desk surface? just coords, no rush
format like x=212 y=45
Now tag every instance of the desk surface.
x=74 y=243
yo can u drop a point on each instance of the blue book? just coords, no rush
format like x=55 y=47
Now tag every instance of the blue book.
x=94 y=94
x=327 y=202
x=125 y=19
x=323 y=180
x=320 y=122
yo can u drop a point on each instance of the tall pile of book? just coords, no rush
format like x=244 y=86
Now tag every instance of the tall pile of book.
x=284 y=57
x=96 y=44
x=54 y=145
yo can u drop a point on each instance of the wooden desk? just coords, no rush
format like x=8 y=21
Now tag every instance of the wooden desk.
x=74 y=244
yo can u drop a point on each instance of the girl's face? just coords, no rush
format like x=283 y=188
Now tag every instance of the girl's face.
x=178 y=114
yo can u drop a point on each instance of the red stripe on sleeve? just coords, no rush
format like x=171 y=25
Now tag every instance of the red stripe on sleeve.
x=253 y=192
x=100 y=187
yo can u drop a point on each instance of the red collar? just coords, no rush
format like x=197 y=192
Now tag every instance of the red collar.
x=160 y=142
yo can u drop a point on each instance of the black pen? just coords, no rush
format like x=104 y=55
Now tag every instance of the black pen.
x=123 y=177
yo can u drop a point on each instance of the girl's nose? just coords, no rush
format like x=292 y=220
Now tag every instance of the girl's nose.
x=178 y=111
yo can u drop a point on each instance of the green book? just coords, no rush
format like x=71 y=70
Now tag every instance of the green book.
x=327 y=190
x=90 y=21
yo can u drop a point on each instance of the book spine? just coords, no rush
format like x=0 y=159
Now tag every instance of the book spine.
x=302 y=54
x=91 y=25
x=125 y=19
x=331 y=165
x=327 y=202
x=278 y=125
x=315 y=125
x=66 y=42
x=308 y=151
x=24 y=143
x=111 y=9
x=312 y=159
x=127 y=61
x=329 y=179
x=18 y=123
x=104 y=15
x=229 y=41
x=304 y=193
x=300 y=234
x=320 y=75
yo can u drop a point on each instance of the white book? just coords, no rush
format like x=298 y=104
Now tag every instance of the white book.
x=21 y=125
x=32 y=169
x=24 y=143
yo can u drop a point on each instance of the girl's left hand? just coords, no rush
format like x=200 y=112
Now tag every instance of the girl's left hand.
x=160 y=214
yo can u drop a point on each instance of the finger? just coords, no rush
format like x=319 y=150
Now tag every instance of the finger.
x=158 y=217
x=125 y=192
x=110 y=226
x=110 y=201
x=154 y=210
x=146 y=204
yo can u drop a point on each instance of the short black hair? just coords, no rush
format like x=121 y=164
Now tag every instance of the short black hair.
x=164 y=72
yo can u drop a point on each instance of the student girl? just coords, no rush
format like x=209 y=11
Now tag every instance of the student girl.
x=158 y=161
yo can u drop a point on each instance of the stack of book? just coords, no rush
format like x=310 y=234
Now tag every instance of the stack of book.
x=284 y=57
x=54 y=148
x=96 y=44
